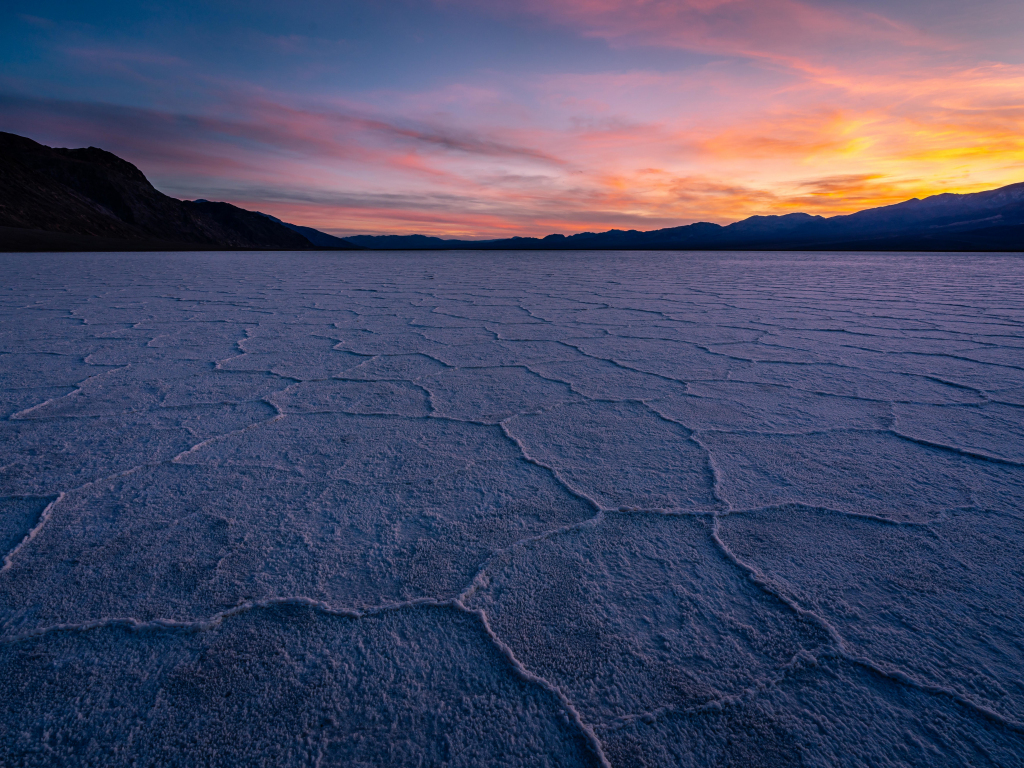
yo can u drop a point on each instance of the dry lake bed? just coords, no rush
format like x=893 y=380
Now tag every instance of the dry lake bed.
x=517 y=509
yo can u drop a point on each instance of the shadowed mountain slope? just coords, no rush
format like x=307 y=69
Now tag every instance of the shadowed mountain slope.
x=315 y=236
x=90 y=199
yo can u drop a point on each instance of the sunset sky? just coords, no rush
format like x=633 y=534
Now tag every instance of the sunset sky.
x=467 y=118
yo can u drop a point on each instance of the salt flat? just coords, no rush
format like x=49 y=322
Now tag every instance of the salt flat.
x=628 y=509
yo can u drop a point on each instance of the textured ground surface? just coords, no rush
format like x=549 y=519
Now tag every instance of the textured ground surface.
x=511 y=509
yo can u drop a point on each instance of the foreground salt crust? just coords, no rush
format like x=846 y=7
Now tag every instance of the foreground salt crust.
x=518 y=509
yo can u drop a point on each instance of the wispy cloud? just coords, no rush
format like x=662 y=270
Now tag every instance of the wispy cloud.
x=798 y=106
x=783 y=31
x=259 y=124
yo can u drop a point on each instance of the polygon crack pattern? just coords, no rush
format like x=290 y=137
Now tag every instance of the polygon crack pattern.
x=626 y=509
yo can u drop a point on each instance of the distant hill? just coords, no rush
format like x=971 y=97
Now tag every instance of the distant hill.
x=982 y=221
x=89 y=199
x=315 y=236
x=414 y=242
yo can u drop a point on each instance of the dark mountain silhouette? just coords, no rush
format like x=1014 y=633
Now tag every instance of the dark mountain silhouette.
x=89 y=199
x=982 y=221
x=315 y=236
x=423 y=242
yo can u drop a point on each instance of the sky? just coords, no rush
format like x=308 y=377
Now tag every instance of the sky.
x=473 y=118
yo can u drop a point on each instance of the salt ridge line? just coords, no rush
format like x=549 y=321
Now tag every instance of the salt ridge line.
x=177 y=459
x=23 y=414
x=800 y=658
x=892 y=674
x=216 y=620
x=599 y=509
x=44 y=516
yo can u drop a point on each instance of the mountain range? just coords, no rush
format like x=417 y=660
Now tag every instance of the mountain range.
x=981 y=221
x=91 y=200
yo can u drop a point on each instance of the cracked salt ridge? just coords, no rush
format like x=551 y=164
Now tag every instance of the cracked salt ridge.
x=924 y=580
x=59 y=455
x=22 y=517
x=769 y=709
x=377 y=508
x=993 y=431
x=633 y=612
x=402 y=685
x=579 y=652
x=859 y=470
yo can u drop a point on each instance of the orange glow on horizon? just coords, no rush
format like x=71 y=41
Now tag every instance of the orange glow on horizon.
x=758 y=107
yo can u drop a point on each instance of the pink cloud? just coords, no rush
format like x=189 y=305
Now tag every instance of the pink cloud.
x=568 y=151
x=785 y=31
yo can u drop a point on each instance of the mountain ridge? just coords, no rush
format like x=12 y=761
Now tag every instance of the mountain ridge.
x=90 y=199
x=988 y=220
x=315 y=236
